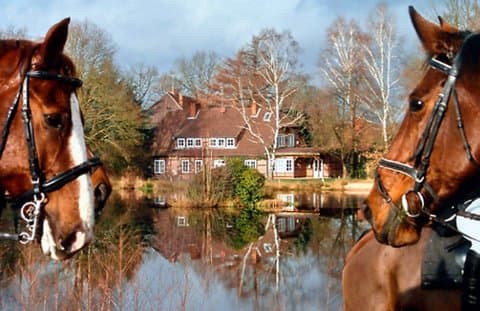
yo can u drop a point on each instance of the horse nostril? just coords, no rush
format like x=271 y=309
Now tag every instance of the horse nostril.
x=73 y=242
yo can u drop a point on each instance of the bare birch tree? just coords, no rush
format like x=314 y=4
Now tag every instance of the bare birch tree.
x=382 y=64
x=144 y=83
x=341 y=66
x=463 y=14
x=264 y=74
x=197 y=73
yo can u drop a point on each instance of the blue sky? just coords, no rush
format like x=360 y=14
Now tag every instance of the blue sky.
x=156 y=32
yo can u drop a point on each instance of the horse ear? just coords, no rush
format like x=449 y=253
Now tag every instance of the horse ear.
x=54 y=41
x=446 y=26
x=435 y=39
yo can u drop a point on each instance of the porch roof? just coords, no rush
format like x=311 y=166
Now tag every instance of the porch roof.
x=299 y=151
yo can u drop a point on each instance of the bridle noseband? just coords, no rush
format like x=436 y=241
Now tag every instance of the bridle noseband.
x=425 y=147
x=35 y=198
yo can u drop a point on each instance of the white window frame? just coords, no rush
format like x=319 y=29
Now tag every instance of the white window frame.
x=180 y=143
x=198 y=165
x=267 y=116
x=290 y=140
x=159 y=166
x=212 y=142
x=185 y=166
x=230 y=142
x=289 y=165
x=182 y=221
x=221 y=143
x=198 y=143
x=190 y=143
x=284 y=165
x=251 y=163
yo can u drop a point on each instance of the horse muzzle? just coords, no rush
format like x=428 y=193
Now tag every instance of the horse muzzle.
x=64 y=247
x=397 y=230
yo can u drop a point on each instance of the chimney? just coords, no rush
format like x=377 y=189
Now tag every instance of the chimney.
x=193 y=110
x=253 y=108
x=180 y=99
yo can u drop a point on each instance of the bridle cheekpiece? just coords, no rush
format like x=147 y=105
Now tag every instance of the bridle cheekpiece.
x=34 y=199
x=421 y=157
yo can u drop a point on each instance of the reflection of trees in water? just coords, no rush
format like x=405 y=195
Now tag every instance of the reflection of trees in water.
x=106 y=275
x=94 y=279
x=121 y=240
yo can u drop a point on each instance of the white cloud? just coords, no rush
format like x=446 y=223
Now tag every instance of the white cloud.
x=157 y=32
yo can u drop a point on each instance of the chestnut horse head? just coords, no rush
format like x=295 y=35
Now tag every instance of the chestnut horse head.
x=42 y=147
x=432 y=161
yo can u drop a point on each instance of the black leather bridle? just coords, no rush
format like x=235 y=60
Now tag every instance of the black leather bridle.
x=35 y=198
x=424 y=149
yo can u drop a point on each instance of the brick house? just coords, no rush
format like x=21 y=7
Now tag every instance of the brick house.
x=191 y=135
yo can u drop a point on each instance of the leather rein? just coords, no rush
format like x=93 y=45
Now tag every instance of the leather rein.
x=35 y=198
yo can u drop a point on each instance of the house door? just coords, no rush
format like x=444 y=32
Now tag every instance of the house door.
x=300 y=168
x=318 y=168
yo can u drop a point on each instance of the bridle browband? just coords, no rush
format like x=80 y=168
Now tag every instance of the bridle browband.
x=424 y=149
x=36 y=197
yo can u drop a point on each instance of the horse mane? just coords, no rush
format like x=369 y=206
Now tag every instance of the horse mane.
x=23 y=48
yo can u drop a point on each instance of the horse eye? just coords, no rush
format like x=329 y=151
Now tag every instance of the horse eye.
x=416 y=104
x=54 y=120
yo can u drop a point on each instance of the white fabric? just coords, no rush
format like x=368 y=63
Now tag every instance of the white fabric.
x=471 y=227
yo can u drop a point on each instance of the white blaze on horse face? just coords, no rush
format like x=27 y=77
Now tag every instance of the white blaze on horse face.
x=78 y=153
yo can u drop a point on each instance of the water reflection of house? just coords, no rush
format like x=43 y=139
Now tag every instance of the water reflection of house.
x=183 y=233
x=191 y=134
x=288 y=225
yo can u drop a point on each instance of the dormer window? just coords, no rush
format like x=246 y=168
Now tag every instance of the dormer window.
x=230 y=142
x=180 y=143
x=267 y=116
x=221 y=142
x=212 y=142
x=189 y=142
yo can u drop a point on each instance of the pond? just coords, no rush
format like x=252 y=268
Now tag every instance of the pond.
x=150 y=258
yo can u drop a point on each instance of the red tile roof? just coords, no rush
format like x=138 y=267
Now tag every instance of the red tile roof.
x=213 y=122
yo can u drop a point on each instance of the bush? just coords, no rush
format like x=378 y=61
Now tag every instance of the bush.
x=250 y=187
x=233 y=181
x=247 y=227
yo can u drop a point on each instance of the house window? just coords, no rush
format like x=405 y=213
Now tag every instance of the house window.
x=281 y=141
x=284 y=165
x=218 y=163
x=185 y=166
x=291 y=140
x=159 y=166
x=250 y=163
x=182 y=221
x=281 y=225
x=198 y=165
x=190 y=142
x=198 y=142
x=212 y=142
x=267 y=116
x=289 y=165
x=230 y=142
x=221 y=142
x=180 y=143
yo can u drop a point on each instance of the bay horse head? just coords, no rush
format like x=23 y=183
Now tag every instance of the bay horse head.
x=432 y=161
x=42 y=147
